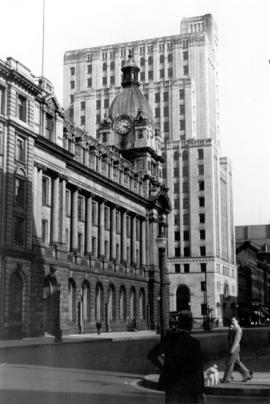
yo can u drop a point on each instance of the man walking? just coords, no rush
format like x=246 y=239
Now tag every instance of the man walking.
x=179 y=359
x=233 y=361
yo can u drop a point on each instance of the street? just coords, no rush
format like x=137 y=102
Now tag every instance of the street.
x=28 y=384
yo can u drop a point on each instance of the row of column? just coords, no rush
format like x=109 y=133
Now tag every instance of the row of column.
x=58 y=221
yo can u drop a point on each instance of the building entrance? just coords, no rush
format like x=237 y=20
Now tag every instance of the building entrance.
x=183 y=298
x=51 y=305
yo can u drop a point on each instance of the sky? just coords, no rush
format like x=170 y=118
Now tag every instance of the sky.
x=244 y=53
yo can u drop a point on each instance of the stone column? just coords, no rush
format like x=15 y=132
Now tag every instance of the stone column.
x=133 y=240
x=37 y=200
x=63 y=210
x=143 y=243
x=113 y=233
x=101 y=247
x=55 y=211
x=88 y=229
x=124 y=236
x=74 y=221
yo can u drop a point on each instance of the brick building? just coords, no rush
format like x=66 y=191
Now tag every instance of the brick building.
x=79 y=218
x=179 y=76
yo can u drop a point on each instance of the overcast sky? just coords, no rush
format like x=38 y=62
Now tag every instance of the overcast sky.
x=244 y=53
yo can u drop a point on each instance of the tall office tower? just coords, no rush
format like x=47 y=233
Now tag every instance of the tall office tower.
x=179 y=76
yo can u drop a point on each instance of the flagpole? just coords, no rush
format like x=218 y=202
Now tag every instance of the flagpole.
x=43 y=31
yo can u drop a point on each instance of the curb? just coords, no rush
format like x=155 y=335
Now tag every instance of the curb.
x=150 y=382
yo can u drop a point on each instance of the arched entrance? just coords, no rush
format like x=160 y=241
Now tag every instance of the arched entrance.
x=51 y=305
x=183 y=298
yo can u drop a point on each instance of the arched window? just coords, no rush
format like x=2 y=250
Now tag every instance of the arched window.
x=142 y=304
x=71 y=300
x=86 y=309
x=15 y=297
x=99 y=302
x=123 y=303
x=132 y=304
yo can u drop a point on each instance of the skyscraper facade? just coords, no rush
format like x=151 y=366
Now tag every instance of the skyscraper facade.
x=179 y=77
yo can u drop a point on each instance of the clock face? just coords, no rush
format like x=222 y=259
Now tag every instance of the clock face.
x=123 y=126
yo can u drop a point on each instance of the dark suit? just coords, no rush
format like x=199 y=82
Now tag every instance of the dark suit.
x=182 y=373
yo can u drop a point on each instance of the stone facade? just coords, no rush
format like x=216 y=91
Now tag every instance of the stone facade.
x=77 y=219
x=179 y=77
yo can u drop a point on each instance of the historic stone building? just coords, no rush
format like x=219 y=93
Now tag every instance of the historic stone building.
x=79 y=218
x=179 y=76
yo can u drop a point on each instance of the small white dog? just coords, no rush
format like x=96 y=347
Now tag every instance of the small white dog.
x=211 y=376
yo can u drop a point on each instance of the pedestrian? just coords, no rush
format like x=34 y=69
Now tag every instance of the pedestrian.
x=99 y=326
x=179 y=358
x=234 y=338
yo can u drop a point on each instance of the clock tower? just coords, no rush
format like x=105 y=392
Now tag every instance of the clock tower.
x=129 y=126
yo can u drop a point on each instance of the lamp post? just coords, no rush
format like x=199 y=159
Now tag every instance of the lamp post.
x=162 y=245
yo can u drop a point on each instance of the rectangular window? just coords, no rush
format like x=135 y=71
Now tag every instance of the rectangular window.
x=20 y=192
x=185 y=70
x=157 y=112
x=82 y=105
x=22 y=107
x=185 y=203
x=182 y=109
x=106 y=103
x=165 y=96
x=98 y=118
x=118 y=222
x=185 y=171
x=72 y=71
x=19 y=230
x=80 y=243
x=201 y=185
x=104 y=81
x=98 y=104
x=185 y=186
x=157 y=97
x=201 y=169
x=170 y=72
x=202 y=217
x=200 y=154
x=71 y=99
x=71 y=114
x=176 y=220
x=80 y=208
x=89 y=69
x=72 y=84
x=82 y=120
x=201 y=201
x=176 y=188
x=202 y=234
x=203 y=288
x=94 y=213
x=186 y=218
x=107 y=218
x=186 y=251
x=45 y=191
x=186 y=235
x=182 y=94
x=186 y=268
x=185 y=55
x=142 y=76
x=177 y=252
x=166 y=126
x=94 y=246
x=20 y=149
x=112 y=80
x=203 y=267
x=177 y=235
x=68 y=204
x=166 y=111
x=49 y=127
x=150 y=75
x=203 y=251
x=182 y=124
x=177 y=268
x=161 y=73
x=89 y=82
x=2 y=100
x=44 y=230
x=117 y=253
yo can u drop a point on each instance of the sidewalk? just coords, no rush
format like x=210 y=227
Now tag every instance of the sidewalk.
x=259 y=386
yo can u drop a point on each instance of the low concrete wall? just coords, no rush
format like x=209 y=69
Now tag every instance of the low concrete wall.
x=121 y=356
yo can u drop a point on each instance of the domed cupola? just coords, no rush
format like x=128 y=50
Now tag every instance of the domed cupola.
x=130 y=100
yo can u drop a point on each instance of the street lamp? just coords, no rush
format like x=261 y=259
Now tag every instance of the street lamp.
x=162 y=245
